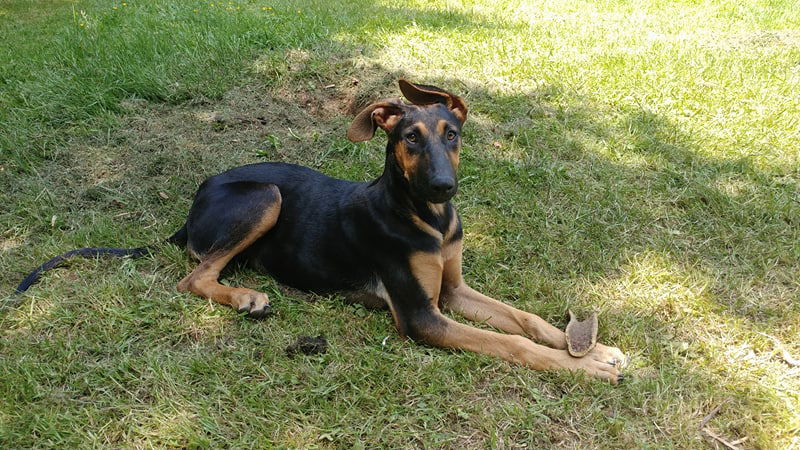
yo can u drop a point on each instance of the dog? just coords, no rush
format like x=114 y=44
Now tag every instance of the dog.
x=395 y=242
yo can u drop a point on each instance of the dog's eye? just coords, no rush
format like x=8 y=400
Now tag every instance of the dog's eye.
x=412 y=137
x=451 y=135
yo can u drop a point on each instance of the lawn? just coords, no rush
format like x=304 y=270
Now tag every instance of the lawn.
x=636 y=158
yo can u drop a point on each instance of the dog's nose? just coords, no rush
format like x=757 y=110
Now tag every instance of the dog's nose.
x=442 y=185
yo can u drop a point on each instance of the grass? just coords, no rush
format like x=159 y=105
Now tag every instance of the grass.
x=639 y=158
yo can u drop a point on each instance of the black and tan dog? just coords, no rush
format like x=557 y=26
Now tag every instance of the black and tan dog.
x=394 y=242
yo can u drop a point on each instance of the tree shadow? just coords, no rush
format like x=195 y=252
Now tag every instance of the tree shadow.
x=689 y=253
x=692 y=253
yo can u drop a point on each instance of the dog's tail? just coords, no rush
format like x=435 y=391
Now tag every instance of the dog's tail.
x=179 y=238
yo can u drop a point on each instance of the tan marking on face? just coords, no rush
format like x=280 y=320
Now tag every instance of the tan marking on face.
x=427 y=269
x=452 y=155
x=407 y=162
x=426 y=227
x=441 y=126
x=423 y=130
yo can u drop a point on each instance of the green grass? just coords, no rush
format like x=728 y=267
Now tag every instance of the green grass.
x=639 y=158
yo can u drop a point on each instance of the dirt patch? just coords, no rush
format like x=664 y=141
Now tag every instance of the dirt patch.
x=758 y=39
x=770 y=38
x=293 y=107
x=307 y=345
x=243 y=116
x=251 y=123
x=348 y=97
x=286 y=121
x=327 y=84
x=329 y=101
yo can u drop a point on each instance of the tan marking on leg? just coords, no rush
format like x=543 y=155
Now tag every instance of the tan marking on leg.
x=451 y=272
x=438 y=330
x=515 y=349
x=458 y=297
x=477 y=307
x=203 y=280
x=381 y=292
x=427 y=269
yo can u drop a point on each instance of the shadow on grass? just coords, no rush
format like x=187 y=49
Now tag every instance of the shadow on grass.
x=689 y=255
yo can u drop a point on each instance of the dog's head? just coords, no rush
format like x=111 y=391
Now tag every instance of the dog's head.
x=424 y=137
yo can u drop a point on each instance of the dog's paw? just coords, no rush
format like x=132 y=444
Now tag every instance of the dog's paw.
x=602 y=362
x=255 y=304
x=609 y=355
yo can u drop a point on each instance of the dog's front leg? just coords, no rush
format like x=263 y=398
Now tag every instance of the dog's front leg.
x=436 y=329
x=458 y=297
x=412 y=293
x=474 y=306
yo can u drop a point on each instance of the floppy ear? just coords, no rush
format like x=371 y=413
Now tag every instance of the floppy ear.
x=385 y=114
x=420 y=94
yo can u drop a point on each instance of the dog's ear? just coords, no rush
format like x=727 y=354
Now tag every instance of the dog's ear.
x=385 y=114
x=420 y=94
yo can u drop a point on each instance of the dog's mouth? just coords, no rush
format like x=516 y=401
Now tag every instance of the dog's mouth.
x=442 y=196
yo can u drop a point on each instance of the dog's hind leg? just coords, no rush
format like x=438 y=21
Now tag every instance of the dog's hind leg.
x=225 y=220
